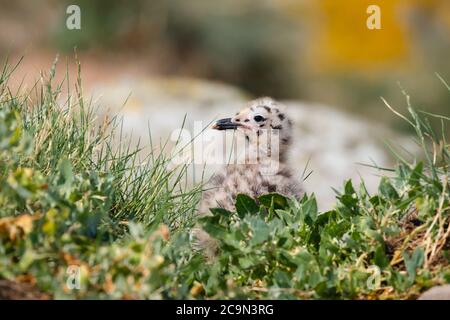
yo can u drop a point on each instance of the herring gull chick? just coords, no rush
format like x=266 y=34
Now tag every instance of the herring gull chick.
x=267 y=132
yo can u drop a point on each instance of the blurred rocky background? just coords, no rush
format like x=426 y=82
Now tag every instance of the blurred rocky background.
x=203 y=59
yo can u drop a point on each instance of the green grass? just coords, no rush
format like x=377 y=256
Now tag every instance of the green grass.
x=72 y=193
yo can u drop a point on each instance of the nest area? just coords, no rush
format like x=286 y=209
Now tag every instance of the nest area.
x=431 y=235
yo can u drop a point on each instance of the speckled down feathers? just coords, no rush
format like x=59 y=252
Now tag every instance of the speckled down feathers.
x=248 y=179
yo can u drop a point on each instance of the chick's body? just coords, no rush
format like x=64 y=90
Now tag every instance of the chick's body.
x=248 y=179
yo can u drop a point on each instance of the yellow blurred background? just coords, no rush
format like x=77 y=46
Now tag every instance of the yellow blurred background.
x=319 y=50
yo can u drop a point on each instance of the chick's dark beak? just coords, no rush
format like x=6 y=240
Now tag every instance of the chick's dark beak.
x=225 y=124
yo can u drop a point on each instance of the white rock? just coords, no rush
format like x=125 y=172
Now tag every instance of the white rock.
x=436 y=293
x=334 y=141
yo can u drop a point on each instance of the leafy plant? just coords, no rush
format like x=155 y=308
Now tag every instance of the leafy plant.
x=70 y=200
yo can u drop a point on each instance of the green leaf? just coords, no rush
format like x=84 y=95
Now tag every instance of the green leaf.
x=136 y=230
x=276 y=200
x=349 y=199
x=348 y=187
x=380 y=257
x=260 y=231
x=282 y=279
x=213 y=229
x=325 y=217
x=387 y=190
x=245 y=205
x=413 y=262
x=416 y=174
x=66 y=175
x=26 y=260
x=375 y=200
x=245 y=262
x=220 y=212
x=310 y=211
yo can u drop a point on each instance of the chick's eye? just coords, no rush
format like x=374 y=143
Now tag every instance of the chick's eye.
x=259 y=118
